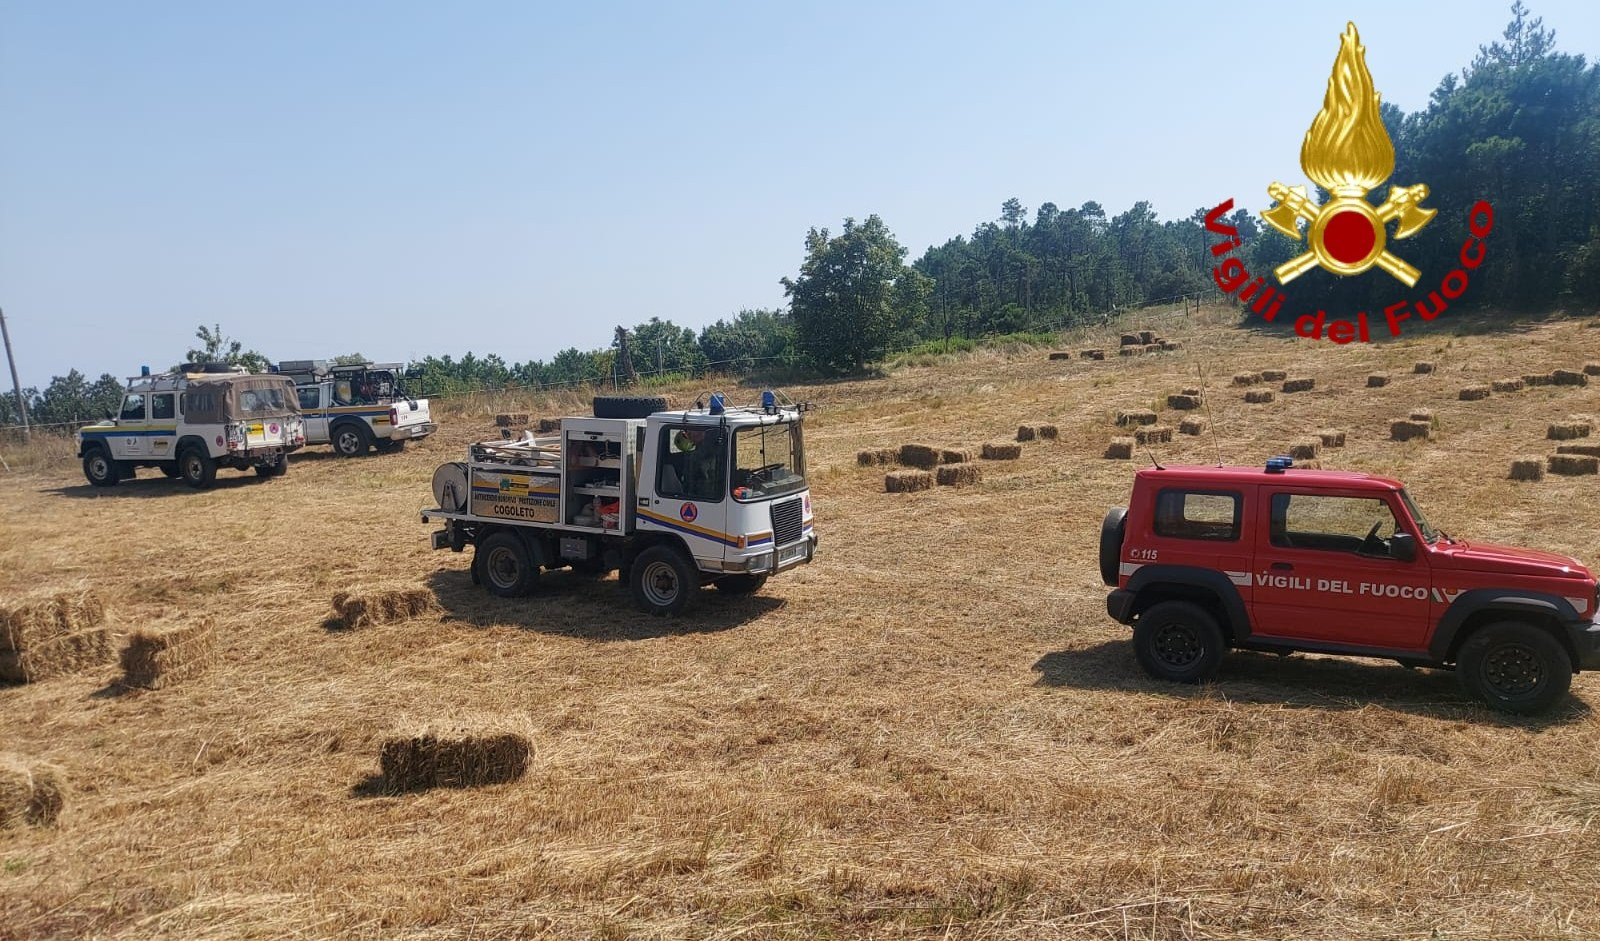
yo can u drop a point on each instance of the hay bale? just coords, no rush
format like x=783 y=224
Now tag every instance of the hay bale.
x=549 y=426
x=502 y=421
x=1048 y=432
x=38 y=620
x=1306 y=449
x=1422 y=368
x=1120 y=448
x=1148 y=337
x=1301 y=384
x=1404 y=429
x=907 y=481
x=1422 y=414
x=1246 y=378
x=1000 y=451
x=919 y=455
x=32 y=794
x=1131 y=351
x=1092 y=354
x=1192 y=426
x=1274 y=375
x=1130 y=339
x=1258 y=396
x=1529 y=469
x=439 y=754
x=155 y=659
x=1473 y=393
x=1591 y=369
x=954 y=455
x=1569 y=429
x=1190 y=390
x=1135 y=416
x=1513 y=384
x=959 y=475
x=1057 y=354
x=1026 y=433
x=1593 y=450
x=66 y=654
x=1185 y=402
x=1160 y=347
x=1153 y=434
x=1568 y=377
x=1331 y=438
x=1539 y=379
x=1377 y=380
x=1574 y=465
x=877 y=457
x=390 y=606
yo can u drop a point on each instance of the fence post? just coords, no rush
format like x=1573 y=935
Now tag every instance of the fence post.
x=16 y=385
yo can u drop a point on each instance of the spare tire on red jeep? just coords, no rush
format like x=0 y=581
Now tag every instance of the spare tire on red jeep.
x=1112 y=531
x=628 y=406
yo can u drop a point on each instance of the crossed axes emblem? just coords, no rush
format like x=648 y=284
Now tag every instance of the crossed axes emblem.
x=1347 y=236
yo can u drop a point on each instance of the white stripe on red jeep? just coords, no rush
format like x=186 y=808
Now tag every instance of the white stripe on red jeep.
x=1581 y=605
x=1238 y=578
x=1446 y=596
x=1128 y=568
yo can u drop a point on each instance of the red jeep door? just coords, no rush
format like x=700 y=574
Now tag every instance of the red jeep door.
x=1324 y=572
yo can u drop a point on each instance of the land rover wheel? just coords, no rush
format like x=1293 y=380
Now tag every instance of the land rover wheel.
x=197 y=468
x=1514 y=667
x=663 y=581
x=351 y=439
x=1178 y=641
x=504 y=566
x=276 y=467
x=741 y=584
x=100 y=469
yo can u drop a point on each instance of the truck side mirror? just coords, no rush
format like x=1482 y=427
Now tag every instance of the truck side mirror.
x=1403 y=546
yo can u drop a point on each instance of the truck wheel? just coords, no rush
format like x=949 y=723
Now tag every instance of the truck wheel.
x=504 y=566
x=741 y=584
x=663 y=581
x=628 y=406
x=1112 y=531
x=197 y=468
x=351 y=439
x=1514 y=667
x=1178 y=641
x=100 y=469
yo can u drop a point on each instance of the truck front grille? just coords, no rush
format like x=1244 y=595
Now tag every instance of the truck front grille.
x=786 y=522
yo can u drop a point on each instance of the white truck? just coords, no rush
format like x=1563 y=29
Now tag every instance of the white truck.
x=358 y=406
x=673 y=500
x=190 y=422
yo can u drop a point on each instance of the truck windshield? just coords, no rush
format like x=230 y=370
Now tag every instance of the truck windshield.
x=1429 y=534
x=769 y=461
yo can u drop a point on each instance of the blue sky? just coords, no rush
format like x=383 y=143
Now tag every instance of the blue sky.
x=405 y=178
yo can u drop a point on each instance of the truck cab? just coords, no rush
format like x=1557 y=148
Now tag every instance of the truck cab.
x=357 y=406
x=674 y=500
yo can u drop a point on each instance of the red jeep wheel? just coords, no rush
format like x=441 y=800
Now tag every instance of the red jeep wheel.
x=1178 y=641
x=1514 y=667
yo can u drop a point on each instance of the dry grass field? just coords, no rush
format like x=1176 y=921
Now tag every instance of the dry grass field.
x=934 y=731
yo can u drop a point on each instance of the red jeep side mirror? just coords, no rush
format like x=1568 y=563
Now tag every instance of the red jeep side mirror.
x=1403 y=546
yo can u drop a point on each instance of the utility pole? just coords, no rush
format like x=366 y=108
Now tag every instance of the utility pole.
x=16 y=384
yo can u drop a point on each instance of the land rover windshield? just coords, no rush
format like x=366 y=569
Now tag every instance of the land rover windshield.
x=768 y=461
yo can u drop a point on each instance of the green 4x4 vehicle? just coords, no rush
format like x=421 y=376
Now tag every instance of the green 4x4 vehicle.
x=1279 y=559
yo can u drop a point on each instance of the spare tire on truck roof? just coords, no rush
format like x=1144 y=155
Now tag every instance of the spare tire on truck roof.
x=628 y=406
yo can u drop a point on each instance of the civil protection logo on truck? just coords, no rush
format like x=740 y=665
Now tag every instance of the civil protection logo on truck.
x=688 y=512
x=1348 y=153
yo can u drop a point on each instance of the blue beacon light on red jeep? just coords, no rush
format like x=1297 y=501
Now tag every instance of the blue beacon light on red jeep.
x=1279 y=464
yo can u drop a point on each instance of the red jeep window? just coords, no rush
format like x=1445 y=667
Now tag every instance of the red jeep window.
x=1198 y=514
x=1334 y=524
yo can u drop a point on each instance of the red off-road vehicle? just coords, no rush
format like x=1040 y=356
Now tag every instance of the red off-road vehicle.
x=1281 y=559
